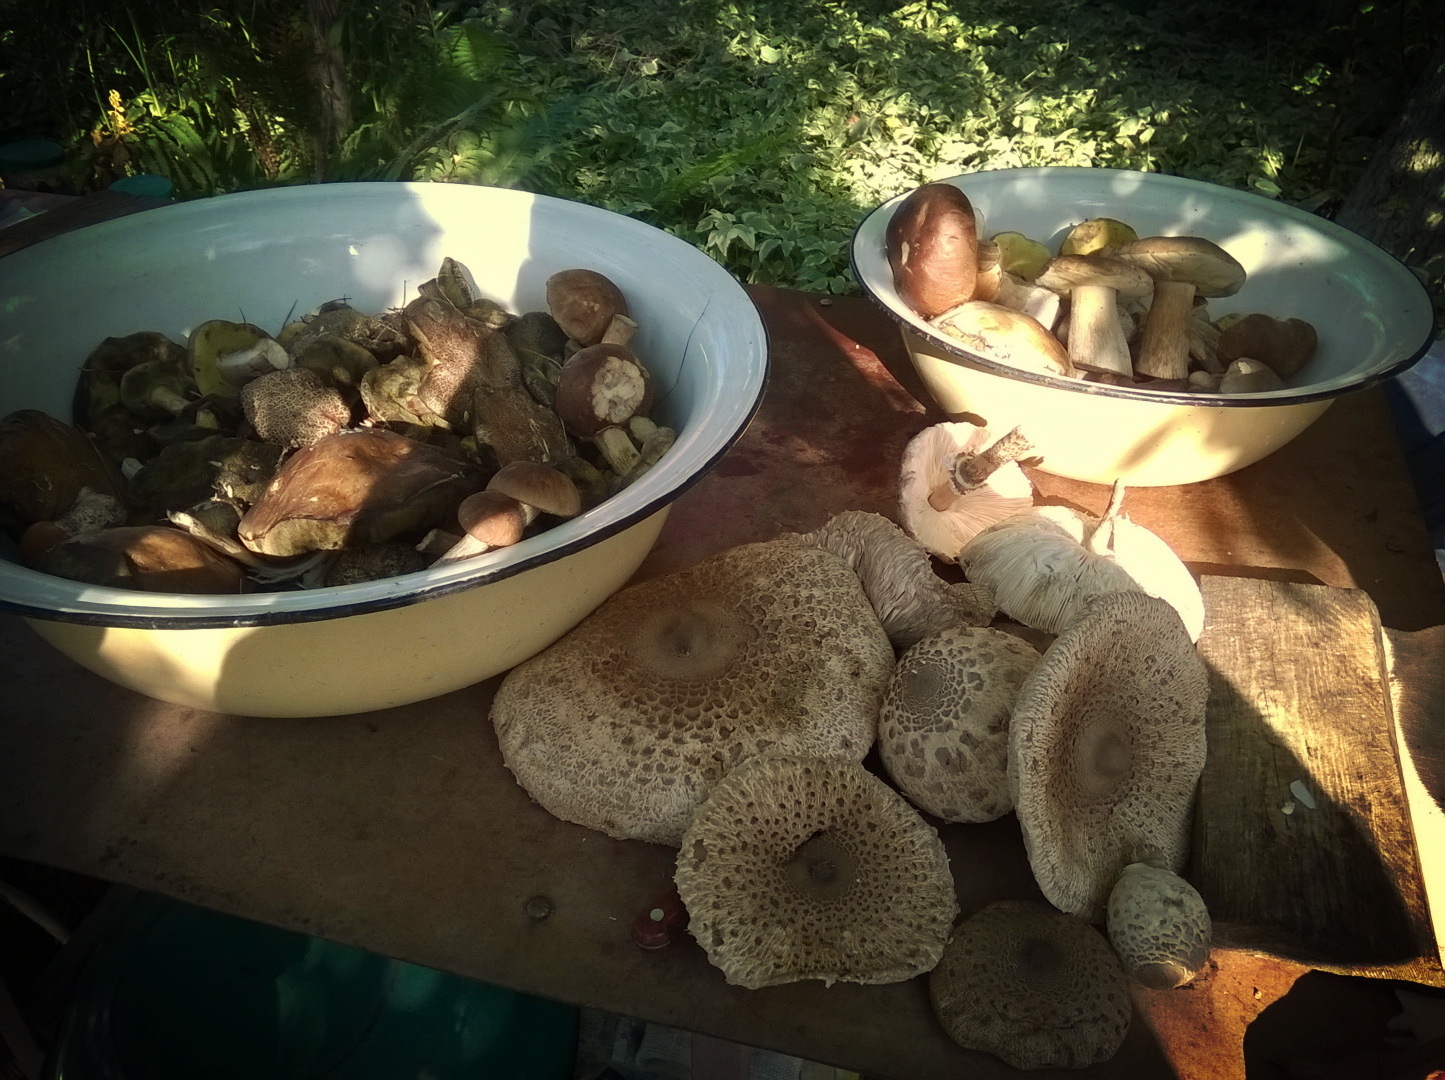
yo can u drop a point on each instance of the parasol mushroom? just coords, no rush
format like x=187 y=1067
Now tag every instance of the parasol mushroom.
x=1159 y=926
x=1106 y=746
x=1032 y=986
x=797 y=868
x=943 y=729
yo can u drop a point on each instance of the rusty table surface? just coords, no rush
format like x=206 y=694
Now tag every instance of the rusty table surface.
x=402 y=832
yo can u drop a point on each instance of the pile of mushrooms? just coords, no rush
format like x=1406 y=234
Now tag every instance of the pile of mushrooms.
x=1109 y=306
x=344 y=448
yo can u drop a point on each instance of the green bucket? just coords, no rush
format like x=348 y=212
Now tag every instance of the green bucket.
x=181 y=992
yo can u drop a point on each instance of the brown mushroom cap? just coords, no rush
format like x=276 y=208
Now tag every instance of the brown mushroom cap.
x=1035 y=987
x=493 y=517
x=1106 y=747
x=153 y=558
x=1285 y=345
x=1159 y=926
x=601 y=386
x=1192 y=259
x=932 y=242
x=1006 y=336
x=535 y=484
x=627 y=722
x=294 y=407
x=583 y=302
x=943 y=730
x=800 y=868
x=1064 y=273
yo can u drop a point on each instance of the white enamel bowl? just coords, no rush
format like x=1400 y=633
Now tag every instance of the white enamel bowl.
x=264 y=255
x=1373 y=316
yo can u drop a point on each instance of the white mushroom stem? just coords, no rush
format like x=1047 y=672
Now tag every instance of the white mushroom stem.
x=658 y=442
x=909 y=598
x=464 y=548
x=1164 y=346
x=617 y=448
x=619 y=331
x=263 y=357
x=971 y=471
x=1204 y=341
x=1096 y=340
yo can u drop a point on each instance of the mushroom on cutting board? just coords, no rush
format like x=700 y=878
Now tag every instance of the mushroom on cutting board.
x=1044 y=564
x=1106 y=745
x=626 y=723
x=1182 y=267
x=1096 y=285
x=943 y=730
x=1035 y=987
x=956 y=480
x=932 y=243
x=1159 y=926
x=797 y=868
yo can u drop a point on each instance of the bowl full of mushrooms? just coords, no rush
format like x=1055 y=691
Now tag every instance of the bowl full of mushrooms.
x=1135 y=326
x=326 y=449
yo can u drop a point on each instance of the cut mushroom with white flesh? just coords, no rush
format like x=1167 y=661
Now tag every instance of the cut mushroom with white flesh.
x=1182 y=267
x=814 y=869
x=1106 y=746
x=1043 y=565
x=897 y=576
x=956 y=480
x=1159 y=926
x=626 y=723
x=943 y=729
x=1096 y=285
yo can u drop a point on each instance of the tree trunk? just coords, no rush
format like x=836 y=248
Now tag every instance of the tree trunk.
x=1399 y=202
x=329 y=71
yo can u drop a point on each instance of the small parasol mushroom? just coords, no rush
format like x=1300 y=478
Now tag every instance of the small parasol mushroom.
x=943 y=729
x=1159 y=926
x=799 y=868
x=956 y=481
x=1105 y=748
x=1032 y=986
x=627 y=722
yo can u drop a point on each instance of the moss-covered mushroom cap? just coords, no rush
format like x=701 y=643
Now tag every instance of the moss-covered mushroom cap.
x=800 y=868
x=1033 y=986
x=626 y=723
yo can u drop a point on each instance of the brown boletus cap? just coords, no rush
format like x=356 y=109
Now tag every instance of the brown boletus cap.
x=1105 y=749
x=626 y=723
x=1159 y=926
x=1192 y=259
x=535 y=484
x=602 y=386
x=583 y=302
x=494 y=518
x=1284 y=345
x=1064 y=273
x=798 y=868
x=932 y=242
x=1033 y=986
x=152 y=558
x=1010 y=337
x=943 y=730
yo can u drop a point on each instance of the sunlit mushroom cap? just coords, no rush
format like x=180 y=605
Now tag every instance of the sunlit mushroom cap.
x=1106 y=746
x=1159 y=926
x=626 y=723
x=928 y=465
x=1035 y=987
x=814 y=869
x=943 y=730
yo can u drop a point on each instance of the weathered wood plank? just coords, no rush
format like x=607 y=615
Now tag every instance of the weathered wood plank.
x=1299 y=692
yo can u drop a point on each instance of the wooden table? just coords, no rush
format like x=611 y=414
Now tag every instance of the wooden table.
x=402 y=832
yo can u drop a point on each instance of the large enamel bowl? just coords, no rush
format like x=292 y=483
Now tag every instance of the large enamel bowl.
x=1373 y=316
x=265 y=255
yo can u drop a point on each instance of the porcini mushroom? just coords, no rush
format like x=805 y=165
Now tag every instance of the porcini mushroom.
x=909 y=598
x=1010 y=337
x=932 y=244
x=600 y=388
x=514 y=497
x=943 y=729
x=1159 y=926
x=1032 y=986
x=814 y=869
x=152 y=558
x=942 y=503
x=1182 y=267
x=1106 y=746
x=1096 y=285
x=627 y=722
x=1249 y=376
x=1097 y=236
x=1283 y=345
x=1044 y=564
x=584 y=304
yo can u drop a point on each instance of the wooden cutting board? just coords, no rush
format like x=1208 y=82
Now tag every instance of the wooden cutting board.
x=1303 y=843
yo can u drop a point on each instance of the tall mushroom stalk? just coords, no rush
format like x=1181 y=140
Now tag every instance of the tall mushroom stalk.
x=957 y=480
x=1182 y=267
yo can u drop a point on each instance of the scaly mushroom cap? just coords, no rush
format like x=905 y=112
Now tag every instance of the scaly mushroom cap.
x=1032 y=986
x=799 y=868
x=928 y=466
x=1159 y=926
x=943 y=731
x=1105 y=748
x=294 y=407
x=627 y=722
